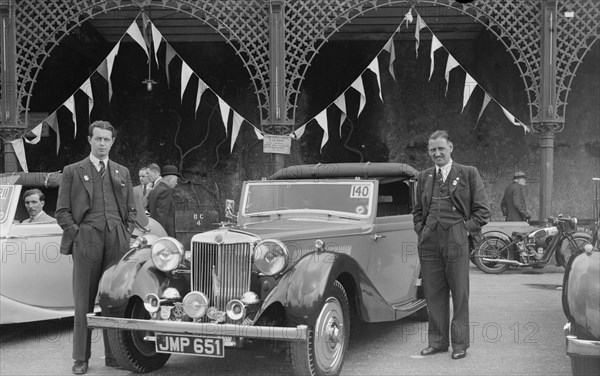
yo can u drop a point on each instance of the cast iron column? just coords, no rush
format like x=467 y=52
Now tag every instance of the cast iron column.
x=547 y=123
x=10 y=128
x=277 y=72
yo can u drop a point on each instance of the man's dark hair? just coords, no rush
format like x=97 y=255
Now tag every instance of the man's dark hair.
x=34 y=191
x=440 y=134
x=102 y=124
x=154 y=167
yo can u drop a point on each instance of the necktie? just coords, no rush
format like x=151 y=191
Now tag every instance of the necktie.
x=144 y=189
x=440 y=177
x=102 y=168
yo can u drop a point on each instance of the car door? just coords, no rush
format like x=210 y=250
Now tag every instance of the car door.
x=394 y=264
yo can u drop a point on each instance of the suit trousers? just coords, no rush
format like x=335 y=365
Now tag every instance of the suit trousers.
x=444 y=256
x=94 y=251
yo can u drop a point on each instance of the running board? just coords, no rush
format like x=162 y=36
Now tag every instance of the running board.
x=403 y=310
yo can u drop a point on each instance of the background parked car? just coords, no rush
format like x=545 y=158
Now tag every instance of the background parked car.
x=35 y=278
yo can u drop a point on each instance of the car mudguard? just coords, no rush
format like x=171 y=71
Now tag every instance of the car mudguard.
x=134 y=275
x=302 y=289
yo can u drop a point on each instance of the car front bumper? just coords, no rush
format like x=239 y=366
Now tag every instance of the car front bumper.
x=298 y=333
x=581 y=347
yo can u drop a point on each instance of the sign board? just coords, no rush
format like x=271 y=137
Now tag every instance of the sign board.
x=277 y=144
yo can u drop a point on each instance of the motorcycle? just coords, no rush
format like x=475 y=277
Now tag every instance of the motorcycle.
x=497 y=252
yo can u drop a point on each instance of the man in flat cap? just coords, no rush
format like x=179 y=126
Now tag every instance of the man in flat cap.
x=513 y=203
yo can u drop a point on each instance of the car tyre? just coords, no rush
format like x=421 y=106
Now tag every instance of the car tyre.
x=324 y=352
x=584 y=366
x=492 y=247
x=130 y=349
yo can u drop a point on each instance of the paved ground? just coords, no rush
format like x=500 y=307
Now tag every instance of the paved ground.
x=517 y=325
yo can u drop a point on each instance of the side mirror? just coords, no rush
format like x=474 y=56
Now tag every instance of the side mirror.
x=229 y=209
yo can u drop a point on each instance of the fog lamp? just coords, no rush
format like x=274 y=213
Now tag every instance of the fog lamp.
x=152 y=303
x=195 y=304
x=235 y=309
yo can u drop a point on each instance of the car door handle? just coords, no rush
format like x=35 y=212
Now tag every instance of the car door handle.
x=377 y=236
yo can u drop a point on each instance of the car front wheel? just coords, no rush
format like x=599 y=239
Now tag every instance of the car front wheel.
x=323 y=353
x=131 y=350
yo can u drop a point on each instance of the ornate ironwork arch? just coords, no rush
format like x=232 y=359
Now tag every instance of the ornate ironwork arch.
x=42 y=25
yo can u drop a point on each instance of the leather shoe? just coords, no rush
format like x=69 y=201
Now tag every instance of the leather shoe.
x=459 y=354
x=432 y=350
x=80 y=367
x=111 y=362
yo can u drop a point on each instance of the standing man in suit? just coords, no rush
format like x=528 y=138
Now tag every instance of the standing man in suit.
x=153 y=174
x=451 y=205
x=141 y=191
x=160 y=200
x=96 y=210
x=513 y=203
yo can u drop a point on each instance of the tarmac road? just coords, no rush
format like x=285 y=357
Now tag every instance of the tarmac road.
x=517 y=322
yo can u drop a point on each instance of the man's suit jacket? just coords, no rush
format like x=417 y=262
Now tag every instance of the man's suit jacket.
x=75 y=198
x=162 y=206
x=467 y=193
x=138 y=190
x=513 y=203
x=41 y=218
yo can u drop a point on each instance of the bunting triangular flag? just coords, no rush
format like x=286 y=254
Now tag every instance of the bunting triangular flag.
x=156 y=39
x=52 y=123
x=408 y=17
x=486 y=101
x=340 y=102
x=37 y=131
x=358 y=86
x=514 y=120
x=470 y=85
x=235 y=129
x=186 y=73
x=136 y=34
x=19 y=150
x=321 y=119
x=435 y=44
x=298 y=132
x=202 y=86
x=258 y=133
x=110 y=60
x=103 y=71
x=169 y=55
x=450 y=64
x=87 y=89
x=420 y=24
x=224 y=112
x=389 y=47
x=70 y=105
x=374 y=67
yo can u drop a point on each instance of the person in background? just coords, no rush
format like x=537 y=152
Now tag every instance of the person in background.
x=513 y=203
x=160 y=200
x=153 y=174
x=451 y=205
x=96 y=210
x=141 y=191
x=34 y=200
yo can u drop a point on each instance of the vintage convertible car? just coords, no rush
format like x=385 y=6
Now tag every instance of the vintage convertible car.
x=313 y=248
x=35 y=279
x=581 y=304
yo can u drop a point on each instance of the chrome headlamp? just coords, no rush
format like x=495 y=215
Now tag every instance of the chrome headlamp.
x=270 y=256
x=167 y=253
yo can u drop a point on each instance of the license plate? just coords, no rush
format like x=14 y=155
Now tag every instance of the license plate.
x=190 y=345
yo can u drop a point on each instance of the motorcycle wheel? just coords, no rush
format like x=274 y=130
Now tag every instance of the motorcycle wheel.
x=492 y=248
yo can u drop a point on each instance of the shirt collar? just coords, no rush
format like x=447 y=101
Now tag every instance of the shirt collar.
x=445 y=169
x=96 y=161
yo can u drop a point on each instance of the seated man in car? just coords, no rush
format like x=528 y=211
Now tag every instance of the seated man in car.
x=34 y=203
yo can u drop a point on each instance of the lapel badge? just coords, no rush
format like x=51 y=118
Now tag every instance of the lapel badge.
x=85 y=177
x=455 y=181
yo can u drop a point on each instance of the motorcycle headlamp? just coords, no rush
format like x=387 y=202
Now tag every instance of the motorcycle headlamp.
x=270 y=256
x=167 y=253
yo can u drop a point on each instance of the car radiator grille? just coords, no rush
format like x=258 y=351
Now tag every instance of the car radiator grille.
x=221 y=271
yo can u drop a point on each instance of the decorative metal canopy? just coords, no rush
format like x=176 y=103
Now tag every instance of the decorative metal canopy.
x=309 y=24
